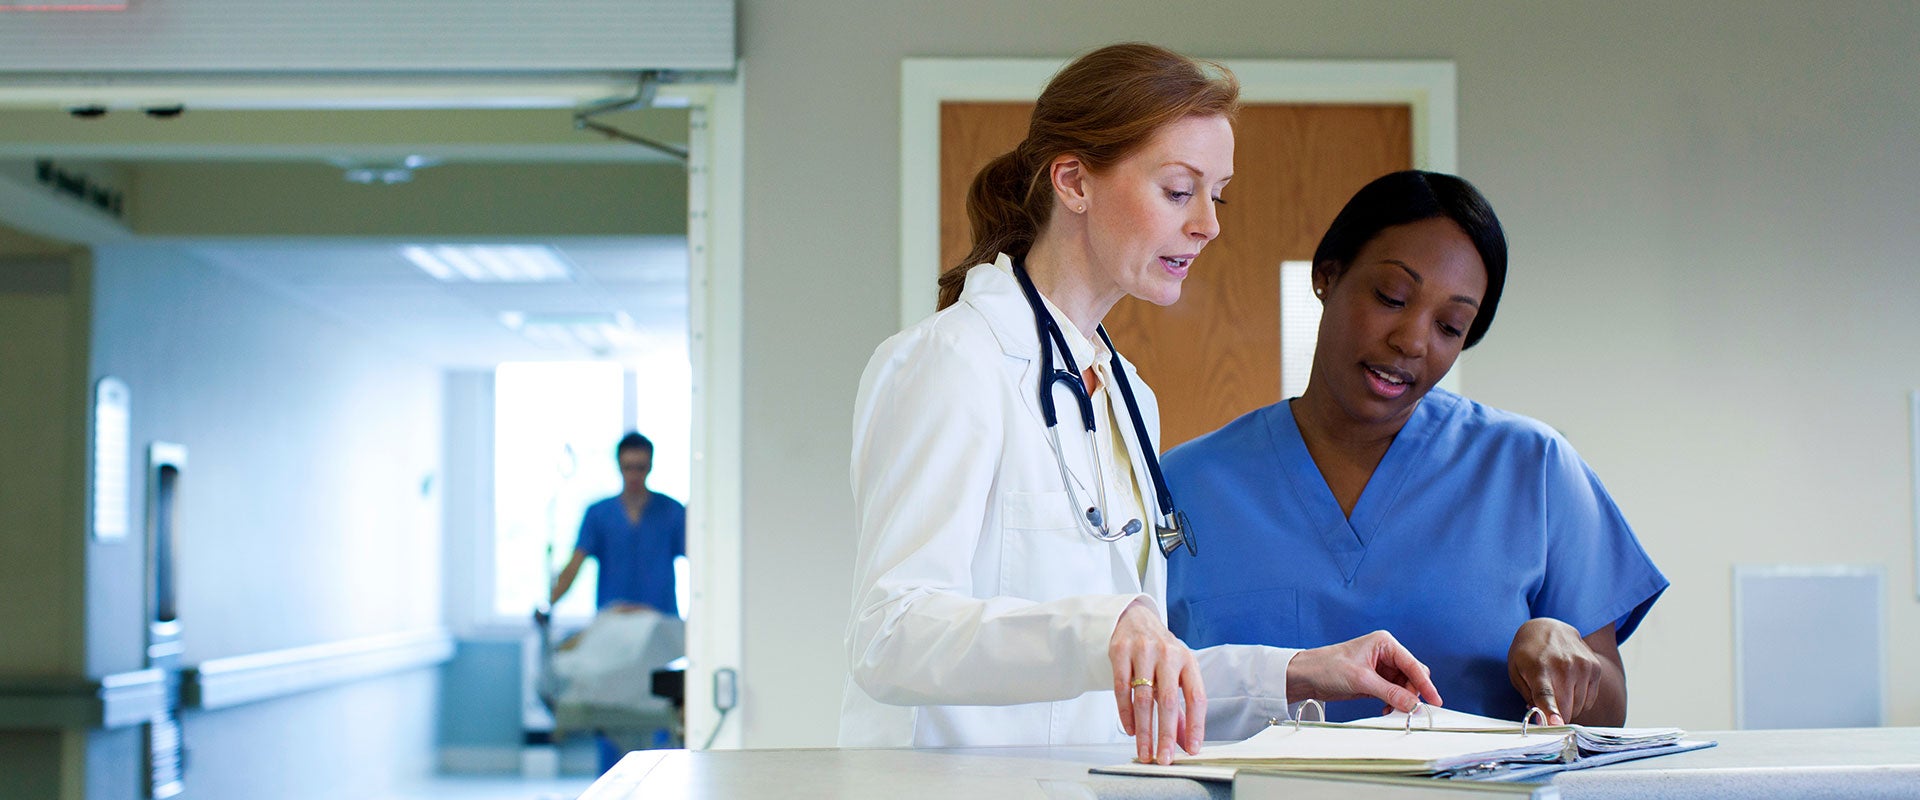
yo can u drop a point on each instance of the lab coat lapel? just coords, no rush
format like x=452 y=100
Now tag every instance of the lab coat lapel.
x=992 y=290
x=995 y=293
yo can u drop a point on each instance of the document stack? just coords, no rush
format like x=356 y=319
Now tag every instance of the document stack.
x=1431 y=742
x=1577 y=741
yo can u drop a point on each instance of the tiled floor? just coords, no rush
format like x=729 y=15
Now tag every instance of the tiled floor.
x=494 y=788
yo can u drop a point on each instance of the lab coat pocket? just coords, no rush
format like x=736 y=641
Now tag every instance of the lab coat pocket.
x=1044 y=555
x=1260 y=616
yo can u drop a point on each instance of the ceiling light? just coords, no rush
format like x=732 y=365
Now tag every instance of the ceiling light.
x=597 y=331
x=486 y=263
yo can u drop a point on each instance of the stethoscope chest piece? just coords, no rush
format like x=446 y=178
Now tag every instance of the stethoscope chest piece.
x=1175 y=534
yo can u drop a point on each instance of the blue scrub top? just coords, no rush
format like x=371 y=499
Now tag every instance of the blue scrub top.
x=636 y=561
x=1475 y=521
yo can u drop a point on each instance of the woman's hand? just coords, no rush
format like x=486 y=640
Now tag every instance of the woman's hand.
x=1568 y=677
x=1373 y=665
x=1169 y=690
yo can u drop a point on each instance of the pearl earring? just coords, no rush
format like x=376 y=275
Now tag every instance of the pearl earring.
x=1079 y=209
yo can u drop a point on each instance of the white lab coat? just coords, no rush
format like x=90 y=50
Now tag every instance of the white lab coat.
x=982 y=611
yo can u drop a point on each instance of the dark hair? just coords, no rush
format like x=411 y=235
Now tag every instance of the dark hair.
x=1411 y=196
x=1100 y=108
x=632 y=441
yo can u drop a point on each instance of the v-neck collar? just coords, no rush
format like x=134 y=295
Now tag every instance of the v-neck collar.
x=631 y=522
x=1348 y=537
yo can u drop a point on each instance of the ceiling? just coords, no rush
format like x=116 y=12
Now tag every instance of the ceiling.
x=264 y=196
x=369 y=285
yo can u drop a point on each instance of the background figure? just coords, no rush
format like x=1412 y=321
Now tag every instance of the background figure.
x=635 y=536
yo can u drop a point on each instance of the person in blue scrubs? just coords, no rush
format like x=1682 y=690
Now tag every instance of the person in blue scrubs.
x=634 y=535
x=1375 y=500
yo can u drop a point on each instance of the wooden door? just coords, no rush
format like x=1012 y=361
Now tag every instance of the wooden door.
x=1215 y=354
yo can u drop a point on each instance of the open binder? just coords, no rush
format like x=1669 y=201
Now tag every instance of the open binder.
x=1429 y=742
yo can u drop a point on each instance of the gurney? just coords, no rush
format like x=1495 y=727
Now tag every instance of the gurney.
x=600 y=680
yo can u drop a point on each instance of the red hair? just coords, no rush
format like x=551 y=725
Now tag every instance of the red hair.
x=1099 y=109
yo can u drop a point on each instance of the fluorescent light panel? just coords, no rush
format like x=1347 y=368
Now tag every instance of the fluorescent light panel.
x=487 y=263
x=594 y=330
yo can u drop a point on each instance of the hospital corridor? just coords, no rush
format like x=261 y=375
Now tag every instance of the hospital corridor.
x=527 y=400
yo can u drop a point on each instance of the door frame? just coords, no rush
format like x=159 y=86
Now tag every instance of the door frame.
x=1428 y=87
x=716 y=198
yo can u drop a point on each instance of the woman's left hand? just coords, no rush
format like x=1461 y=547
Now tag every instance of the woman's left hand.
x=1557 y=671
x=1156 y=686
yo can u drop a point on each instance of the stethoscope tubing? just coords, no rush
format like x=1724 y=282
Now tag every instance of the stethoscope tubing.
x=1051 y=338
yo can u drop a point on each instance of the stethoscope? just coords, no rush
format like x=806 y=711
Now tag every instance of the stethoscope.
x=1176 y=531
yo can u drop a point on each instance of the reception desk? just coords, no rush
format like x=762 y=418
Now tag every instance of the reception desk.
x=1842 y=763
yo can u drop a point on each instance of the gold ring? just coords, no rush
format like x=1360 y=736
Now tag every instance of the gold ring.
x=1139 y=682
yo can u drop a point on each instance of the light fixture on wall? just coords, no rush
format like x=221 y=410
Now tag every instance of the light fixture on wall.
x=490 y=263
x=385 y=172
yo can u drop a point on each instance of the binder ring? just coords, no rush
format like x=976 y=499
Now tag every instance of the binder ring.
x=1532 y=710
x=1319 y=708
x=1418 y=707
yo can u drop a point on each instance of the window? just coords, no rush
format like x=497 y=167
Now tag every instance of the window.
x=1299 y=326
x=663 y=410
x=555 y=427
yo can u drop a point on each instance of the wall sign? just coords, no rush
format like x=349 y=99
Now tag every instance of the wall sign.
x=80 y=186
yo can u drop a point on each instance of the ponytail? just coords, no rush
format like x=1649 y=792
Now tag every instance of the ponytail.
x=1001 y=216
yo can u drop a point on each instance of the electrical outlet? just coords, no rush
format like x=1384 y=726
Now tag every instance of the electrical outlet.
x=726 y=689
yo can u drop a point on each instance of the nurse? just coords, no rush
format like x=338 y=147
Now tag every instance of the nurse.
x=1377 y=500
x=989 y=607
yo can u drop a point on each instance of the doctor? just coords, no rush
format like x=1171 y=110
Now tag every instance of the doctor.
x=1009 y=587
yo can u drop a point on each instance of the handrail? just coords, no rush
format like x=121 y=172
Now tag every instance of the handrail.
x=130 y=698
x=227 y=682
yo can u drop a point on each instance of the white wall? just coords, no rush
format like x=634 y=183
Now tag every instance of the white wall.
x=467 y=496
x=303 y=517
x=1709 y=205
